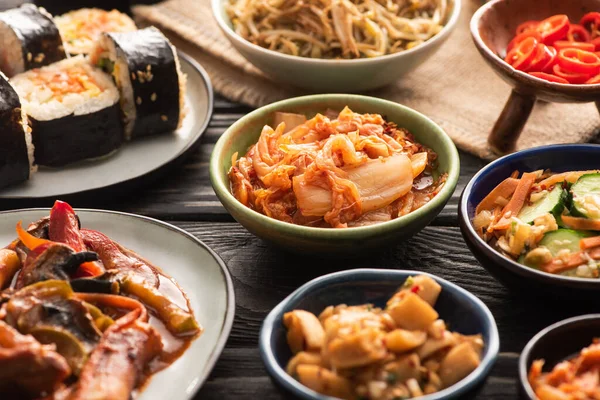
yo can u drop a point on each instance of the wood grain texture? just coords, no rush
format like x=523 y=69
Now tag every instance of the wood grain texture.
x=264 y=275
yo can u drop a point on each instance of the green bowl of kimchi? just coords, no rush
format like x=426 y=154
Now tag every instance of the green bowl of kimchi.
x=357 y=236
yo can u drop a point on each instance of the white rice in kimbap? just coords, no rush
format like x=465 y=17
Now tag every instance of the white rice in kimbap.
x=80 y=29
x=146 y=68
x=74 y=111
x=28 y=39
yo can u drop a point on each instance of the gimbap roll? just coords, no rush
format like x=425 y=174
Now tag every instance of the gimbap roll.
x=16 y=150
x=73 y=109
x=28 y=39
x=146 y=69
x=80 y=29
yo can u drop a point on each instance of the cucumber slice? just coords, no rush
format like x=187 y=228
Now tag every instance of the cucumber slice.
x=586 y=187
x=106 y=64
x=553 y=202
x=560 y=239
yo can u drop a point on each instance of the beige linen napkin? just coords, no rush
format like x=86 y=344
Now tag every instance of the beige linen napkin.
x=454 y=87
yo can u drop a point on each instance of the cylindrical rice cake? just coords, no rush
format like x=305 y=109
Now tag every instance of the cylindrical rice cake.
x=146 y=69
x=28 y=39
x=73 y=109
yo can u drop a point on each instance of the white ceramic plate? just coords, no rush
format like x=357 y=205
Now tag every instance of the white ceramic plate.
x=198 y=270
x=134 y=160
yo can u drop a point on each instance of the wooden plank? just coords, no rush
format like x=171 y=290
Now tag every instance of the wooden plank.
x=263 y=276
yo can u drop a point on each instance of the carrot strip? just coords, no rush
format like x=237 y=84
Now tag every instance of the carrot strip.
x=505 y=189
x=515 y=174
x=570 y=177
x=594 y=253
x=30 y=241
x=517 y=200
x=580 y=223
x=557 y=266
x=496 y=215
x=588 y=243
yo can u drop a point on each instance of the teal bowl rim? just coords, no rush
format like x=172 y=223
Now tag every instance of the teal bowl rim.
x=224 y=194
x=295 y=387
x=234 y=37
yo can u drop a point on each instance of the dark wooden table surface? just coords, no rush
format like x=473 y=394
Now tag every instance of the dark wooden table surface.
x=263 y=275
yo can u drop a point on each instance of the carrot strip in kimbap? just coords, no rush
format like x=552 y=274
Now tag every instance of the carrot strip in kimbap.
x=16 y=149
x=28 y=39
x=81 y=28
x=146 y=69
x=74 y=111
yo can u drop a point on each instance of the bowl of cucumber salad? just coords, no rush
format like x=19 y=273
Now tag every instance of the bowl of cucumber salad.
x=533 y=217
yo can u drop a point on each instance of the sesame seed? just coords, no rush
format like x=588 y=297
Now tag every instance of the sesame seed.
x=164 y=118
x=138 y=100
x=133 y=76
x=39 y=58
x=153 y=97
x=148 y=67
x=29 y=56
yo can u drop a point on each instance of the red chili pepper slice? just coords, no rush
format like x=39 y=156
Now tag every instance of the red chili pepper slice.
x=543 y=57
x=113 y=258
x=64 y=228
x=579 y=61
x=573 y=77
x=521 y=56
x=578 y=33
x=548 y=67
x=519 y=38
x=549 y=77
x=564 y=44
x=595 y=80
x=553 y=28
x=527 y=26
x=590 y=21
x=596 y=43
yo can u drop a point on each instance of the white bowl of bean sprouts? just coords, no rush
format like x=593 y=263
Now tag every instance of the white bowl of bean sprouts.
x=336 y=45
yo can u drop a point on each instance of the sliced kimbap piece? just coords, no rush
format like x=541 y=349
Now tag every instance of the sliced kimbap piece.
x=73 y=109
x=145 y=66
x=80 y=29
x=28 y=39
x=16 y=148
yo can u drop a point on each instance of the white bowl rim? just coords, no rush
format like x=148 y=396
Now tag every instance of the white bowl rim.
x=439 y=37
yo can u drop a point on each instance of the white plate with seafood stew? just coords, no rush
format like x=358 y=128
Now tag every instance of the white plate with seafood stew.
x=199 y=272
x=134 y=161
